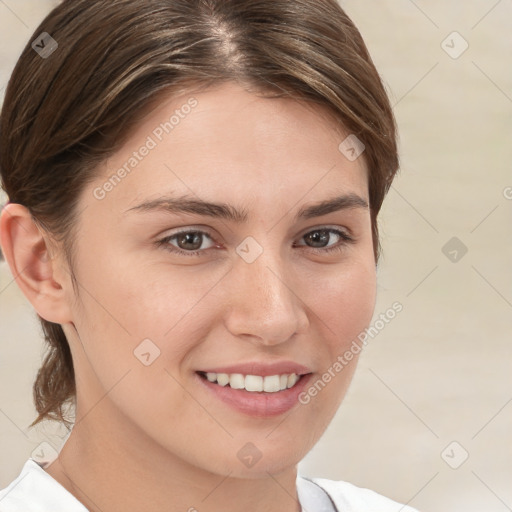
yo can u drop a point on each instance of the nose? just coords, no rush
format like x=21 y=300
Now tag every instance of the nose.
x=265 y=305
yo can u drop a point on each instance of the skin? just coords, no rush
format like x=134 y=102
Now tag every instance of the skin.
x=149 y=437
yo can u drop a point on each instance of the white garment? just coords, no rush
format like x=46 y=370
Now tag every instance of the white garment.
x=34 y=490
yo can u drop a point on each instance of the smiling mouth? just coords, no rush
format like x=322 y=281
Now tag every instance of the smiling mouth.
x=253 y=383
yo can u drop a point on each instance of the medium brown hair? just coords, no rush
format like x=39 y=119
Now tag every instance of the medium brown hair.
x=66 y=113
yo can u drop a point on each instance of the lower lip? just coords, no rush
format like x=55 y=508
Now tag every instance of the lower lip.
x=260 y=404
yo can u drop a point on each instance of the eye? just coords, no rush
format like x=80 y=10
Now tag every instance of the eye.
x=188 y=243
x=320 y=239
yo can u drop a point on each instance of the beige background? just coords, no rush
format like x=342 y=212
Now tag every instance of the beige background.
x=441 y=370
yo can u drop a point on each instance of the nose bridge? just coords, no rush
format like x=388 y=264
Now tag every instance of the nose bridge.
x=264 y=304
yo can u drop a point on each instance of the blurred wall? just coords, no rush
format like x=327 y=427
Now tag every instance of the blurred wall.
x=428 y=417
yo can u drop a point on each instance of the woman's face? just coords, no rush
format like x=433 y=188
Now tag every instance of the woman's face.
x=261 y=281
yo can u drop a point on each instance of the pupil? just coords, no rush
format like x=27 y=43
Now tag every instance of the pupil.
x=190 y=238
x=319 y=237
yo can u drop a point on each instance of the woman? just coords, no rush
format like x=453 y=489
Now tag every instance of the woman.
x=193 y=197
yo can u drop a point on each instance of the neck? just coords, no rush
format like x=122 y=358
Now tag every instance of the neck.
x=118 y=468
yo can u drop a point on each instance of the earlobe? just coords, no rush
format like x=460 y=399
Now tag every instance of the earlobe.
x=27 y=253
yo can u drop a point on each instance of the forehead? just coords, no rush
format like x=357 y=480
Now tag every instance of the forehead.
x=227 y=141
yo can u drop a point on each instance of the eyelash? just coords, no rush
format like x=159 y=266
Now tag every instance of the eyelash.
x=345 y=240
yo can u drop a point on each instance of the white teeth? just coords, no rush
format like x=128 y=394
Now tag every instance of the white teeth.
x=271 y=383
x=292 y=380
x=237 y=381
x=254 y=383
x=222 y=379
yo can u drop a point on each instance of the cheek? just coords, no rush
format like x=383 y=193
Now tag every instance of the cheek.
x=344 y=309
x=357 y=300
x=132 y=327
x=127 y=297
x=129 y=310
x=344 y=302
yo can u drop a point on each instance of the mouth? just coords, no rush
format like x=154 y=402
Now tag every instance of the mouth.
x=253 y=383
x=260 y=396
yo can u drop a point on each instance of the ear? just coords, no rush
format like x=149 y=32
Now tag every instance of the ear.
x=41 y=278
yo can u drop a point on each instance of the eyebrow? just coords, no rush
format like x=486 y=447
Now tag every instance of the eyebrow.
x=228 y=212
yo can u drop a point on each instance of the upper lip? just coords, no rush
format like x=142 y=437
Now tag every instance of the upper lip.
x=262 y=369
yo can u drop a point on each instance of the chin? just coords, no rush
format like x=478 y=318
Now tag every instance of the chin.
x=250 y=463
